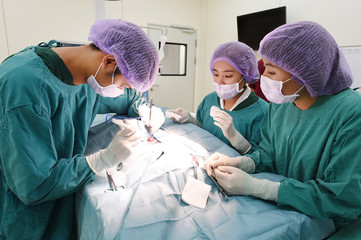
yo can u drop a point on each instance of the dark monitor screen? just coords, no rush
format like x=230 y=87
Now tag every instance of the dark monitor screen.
x=251 y=28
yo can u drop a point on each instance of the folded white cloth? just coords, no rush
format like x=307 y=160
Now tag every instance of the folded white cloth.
x=196 y=193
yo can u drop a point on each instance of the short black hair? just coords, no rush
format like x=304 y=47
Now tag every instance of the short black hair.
x=93 y=46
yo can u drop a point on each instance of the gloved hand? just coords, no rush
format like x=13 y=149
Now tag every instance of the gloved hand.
x=157 y=119
x=237 y=182
x=186 y=117
x=218 y=159
x=225 y=122
x=119 y=149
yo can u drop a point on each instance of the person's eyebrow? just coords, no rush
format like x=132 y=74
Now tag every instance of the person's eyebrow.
x=230 y=70
x=270 y=65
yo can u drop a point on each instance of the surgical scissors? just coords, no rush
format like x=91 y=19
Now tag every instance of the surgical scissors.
x=111 y=181
x=222 y=192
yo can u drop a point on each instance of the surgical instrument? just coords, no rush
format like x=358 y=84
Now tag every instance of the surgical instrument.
x=109 y=117
x=120 y=166
x=111 y=181
x=222 y=191
x=148 y=126
x=195 y=166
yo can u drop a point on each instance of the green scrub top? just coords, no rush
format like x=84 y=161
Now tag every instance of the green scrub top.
x=43 y=133
x=247 y=118
x=54 y=63
x=319 y=151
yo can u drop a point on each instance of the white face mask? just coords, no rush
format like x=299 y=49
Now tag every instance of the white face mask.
x=108 y=91
x=272 y=89
x=227 y=91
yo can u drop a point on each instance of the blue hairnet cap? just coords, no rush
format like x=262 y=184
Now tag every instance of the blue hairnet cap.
x=135 y=54
x=240 y=56
x=310 y=54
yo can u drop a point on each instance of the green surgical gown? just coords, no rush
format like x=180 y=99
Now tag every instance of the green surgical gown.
x=43 y=133
x=319 y=151
x=247 y=118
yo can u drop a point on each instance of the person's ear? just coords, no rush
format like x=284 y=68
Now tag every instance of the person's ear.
x=108 y=59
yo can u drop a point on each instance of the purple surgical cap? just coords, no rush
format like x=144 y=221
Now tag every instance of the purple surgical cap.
x=310 y=54
x=135 y=54
x=240 y=56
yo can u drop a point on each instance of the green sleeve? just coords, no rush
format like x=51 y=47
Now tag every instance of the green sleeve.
x=127 y=103
x=200 y=113
x=333 y=195
x=33 y=169
x=263 y=157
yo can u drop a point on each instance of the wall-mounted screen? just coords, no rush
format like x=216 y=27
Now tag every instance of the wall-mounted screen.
x=251 y=28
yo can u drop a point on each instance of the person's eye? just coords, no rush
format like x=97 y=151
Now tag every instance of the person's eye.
x=229 y=76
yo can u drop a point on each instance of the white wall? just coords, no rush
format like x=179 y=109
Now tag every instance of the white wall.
x=3 y=36
x=31 y=22
x=179 y=12
x=340 y=18
x=35 y=21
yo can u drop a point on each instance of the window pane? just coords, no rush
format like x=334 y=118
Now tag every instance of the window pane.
x=174 y=62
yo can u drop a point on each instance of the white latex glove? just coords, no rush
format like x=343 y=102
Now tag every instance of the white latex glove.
x=237 y=182
x=185 y=116
x=225 y=122
x=218 y=159
x=119 y=149
x=157 y=119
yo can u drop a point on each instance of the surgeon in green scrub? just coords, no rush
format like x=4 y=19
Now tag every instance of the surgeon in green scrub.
x=49 y=98
x=232 y=113
x=311 y=134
